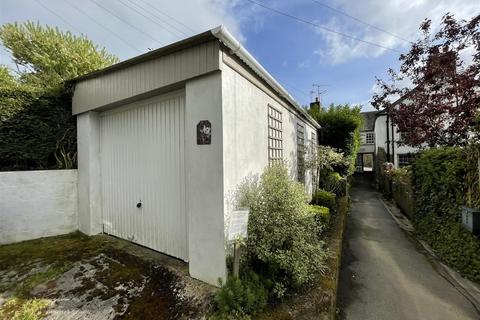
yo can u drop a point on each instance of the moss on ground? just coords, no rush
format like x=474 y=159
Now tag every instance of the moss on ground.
x=64 y=249
x=141 y=289
x=27 y=285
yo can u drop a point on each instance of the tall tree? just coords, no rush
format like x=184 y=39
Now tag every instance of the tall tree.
x=442 y=99
x=37 y=130
x=47 y=56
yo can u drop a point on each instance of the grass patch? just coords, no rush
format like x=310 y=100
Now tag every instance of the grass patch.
x=24 y=309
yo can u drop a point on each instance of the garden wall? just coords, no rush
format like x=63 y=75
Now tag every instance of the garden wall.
x=36 y=204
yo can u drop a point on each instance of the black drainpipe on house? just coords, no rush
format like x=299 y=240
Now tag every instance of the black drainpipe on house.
x=388 y=138
x=393 y=144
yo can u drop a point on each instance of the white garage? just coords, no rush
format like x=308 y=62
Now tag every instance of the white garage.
x=142 y=147
x=165 y=138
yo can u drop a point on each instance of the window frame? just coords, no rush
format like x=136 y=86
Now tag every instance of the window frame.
x=402 y=163
x=371 y=135
x=301 y=151
x=274 y=135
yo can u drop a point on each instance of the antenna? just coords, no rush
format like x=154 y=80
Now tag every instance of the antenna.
x=318 y=91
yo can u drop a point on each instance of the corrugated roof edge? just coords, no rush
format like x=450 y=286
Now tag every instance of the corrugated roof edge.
x=223 y=35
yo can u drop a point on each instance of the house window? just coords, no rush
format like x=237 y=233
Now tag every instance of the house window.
x=300 y=152
x=275 y=139
x=314 y=139
x=369 y=138
x=405 y=159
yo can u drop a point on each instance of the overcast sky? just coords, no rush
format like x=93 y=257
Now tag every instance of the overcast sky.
x=295 y=53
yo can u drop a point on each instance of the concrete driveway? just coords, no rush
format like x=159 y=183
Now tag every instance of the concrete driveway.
x=385 y=275
x=79 y=277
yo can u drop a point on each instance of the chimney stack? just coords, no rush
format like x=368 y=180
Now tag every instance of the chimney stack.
x=315 y=105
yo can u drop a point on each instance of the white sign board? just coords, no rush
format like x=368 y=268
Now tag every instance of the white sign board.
x=237 y=229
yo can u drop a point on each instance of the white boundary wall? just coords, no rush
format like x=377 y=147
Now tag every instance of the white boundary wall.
x=36 y=204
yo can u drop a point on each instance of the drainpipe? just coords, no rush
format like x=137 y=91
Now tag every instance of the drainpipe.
x=387 y=127
x=393 y=144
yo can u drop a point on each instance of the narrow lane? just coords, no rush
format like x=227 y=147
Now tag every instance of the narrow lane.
x=384 y=274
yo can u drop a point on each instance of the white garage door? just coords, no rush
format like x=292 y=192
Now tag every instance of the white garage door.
x=143 y=173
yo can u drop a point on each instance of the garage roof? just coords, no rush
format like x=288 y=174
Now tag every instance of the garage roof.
x=224 y=36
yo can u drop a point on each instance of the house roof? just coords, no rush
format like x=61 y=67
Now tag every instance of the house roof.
x=223 y=35
x=369 y=120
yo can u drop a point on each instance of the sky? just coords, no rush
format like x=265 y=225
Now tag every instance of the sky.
x=341 y=45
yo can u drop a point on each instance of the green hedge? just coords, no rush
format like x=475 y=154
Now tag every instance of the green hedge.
x=440 y=189
x=324 y=198
x=322 y=216
x=39 y=134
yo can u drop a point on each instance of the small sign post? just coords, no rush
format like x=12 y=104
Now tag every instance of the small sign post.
x=237 y=231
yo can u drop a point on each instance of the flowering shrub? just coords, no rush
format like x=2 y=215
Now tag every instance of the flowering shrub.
x=284 y=244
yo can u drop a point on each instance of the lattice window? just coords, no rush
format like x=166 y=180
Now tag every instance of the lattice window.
x=300 y=152
x=370 y=138
x=405 y=159
x=275 y=135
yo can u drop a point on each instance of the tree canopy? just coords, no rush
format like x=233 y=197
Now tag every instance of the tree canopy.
x=37 y=130
x=439 y=88
x=47 y=56
x=340 y=128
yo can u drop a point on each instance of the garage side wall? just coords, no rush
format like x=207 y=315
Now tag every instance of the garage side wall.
x=245 y=123
x=205 y=179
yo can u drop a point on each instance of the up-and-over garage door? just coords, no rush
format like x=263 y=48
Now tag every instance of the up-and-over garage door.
x=143 y=173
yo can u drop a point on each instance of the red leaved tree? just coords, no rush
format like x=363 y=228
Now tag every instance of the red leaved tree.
x=439 y=105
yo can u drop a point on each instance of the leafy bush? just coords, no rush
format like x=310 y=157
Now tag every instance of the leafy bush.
x=440 y=188
x=326 y=164
x=340 y=129
x=333 y=182
x=41 y=134
x=283 y=244
x=37 y=129
x=322 y=216
x=382 y=178
x=324 y=198
x=240 y=298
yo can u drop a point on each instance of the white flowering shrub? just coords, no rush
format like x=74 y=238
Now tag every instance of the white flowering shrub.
x=283 y=242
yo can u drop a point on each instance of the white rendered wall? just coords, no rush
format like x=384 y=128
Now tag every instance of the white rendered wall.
x=36 y=204
x=204 y=186
x=89 y=175
x=381 y=138
x=245 y=134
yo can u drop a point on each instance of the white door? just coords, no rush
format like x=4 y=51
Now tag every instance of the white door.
x=143 y=173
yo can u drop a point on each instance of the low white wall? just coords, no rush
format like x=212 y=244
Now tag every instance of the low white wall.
x=36 y=204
